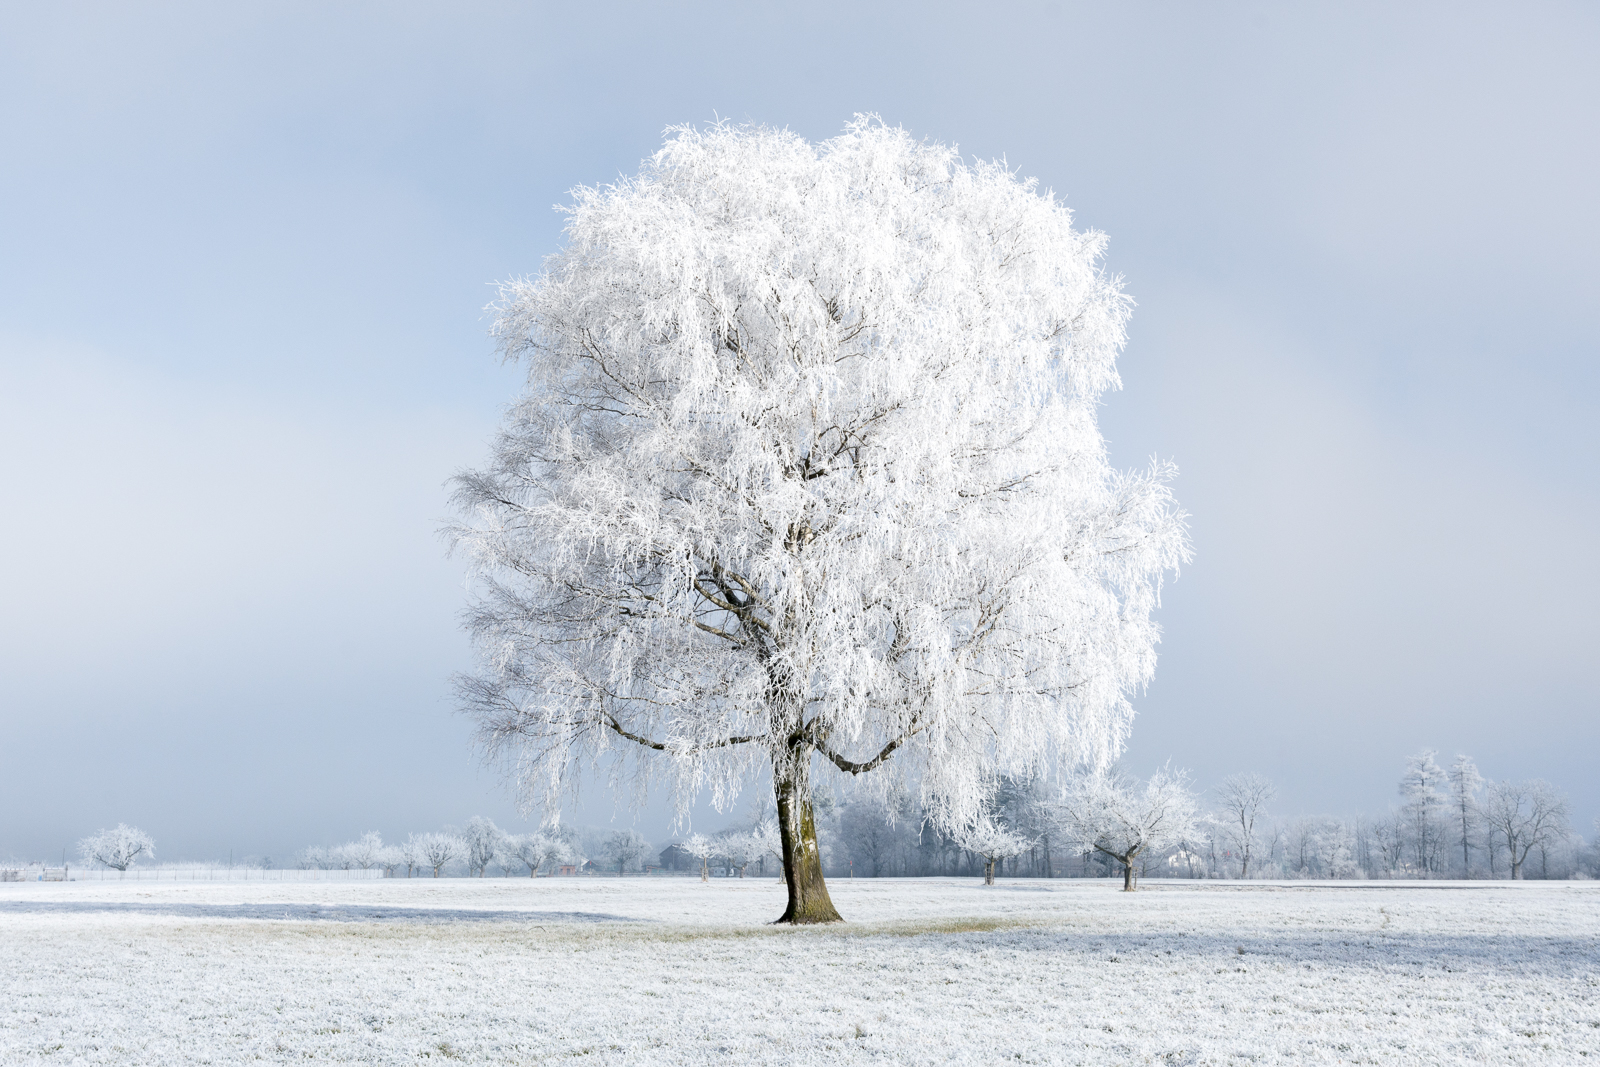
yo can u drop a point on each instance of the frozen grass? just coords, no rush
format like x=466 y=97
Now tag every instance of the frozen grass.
x=620 y=971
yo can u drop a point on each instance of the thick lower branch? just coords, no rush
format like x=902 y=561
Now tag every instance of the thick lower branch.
x=660 y=746
x=853 y=767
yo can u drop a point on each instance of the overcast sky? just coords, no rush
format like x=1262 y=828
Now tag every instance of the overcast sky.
x=245 y=251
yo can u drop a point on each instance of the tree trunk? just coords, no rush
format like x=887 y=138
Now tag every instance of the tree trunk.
x=1127 y=875
x=988 y=871
x=802 y=860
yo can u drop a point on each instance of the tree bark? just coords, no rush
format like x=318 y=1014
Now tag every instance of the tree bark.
x=802 y=860
x=988 y=871
x=1127 y=876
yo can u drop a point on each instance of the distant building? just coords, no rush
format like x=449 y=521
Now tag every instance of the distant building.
x=676 y=858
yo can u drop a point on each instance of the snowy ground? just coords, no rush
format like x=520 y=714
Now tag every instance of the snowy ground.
x=665 y=970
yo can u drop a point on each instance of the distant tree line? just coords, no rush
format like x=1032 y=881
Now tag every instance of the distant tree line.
x=1449 y=822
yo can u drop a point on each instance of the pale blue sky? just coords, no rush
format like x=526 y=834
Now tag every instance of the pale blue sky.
x=244 y=252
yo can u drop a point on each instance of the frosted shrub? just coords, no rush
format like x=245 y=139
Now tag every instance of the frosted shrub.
x=118 y=847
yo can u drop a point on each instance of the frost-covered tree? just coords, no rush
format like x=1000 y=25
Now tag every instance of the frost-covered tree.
x=1117 y=817
x=740 y=848
x=1241 y=803
x=1319 y=847
x=573 y=851
x=117 y=847
x=986 y=836
x=1335 y=849
x=391 y=858
x=329 y=857
x=534 y=850
x=700 y=847
x=365 y=852
x=769 y=842
x=1192 y=847
x=1300 y=847
x=1526 y=816
x=411 y=854
x=1465 y=782
x=807 y=465
x=438 y=850
x=1032 y=808
x=483 y=841
x=624 y=847
x=1389 y=839
x=1423 y=786
x=875 y=831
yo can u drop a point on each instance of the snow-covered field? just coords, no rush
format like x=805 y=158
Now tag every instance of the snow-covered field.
x=667 y=970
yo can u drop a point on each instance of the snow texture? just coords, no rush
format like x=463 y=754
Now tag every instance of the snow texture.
x=669 y=971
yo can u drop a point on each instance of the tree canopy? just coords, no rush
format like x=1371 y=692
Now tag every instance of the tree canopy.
x=807 y=466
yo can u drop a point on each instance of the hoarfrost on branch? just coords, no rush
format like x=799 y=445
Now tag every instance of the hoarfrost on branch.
x=807 y=467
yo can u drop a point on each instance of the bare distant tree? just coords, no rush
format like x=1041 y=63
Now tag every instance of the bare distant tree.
x=1300 y=844
x=1465 y=781
x=117 y=847
x=624 y=847
x=1526 y=815
x=874 y=830
x=1119 y=818
x=1241 y=801
x=1388 y=836
x=1272 y=848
